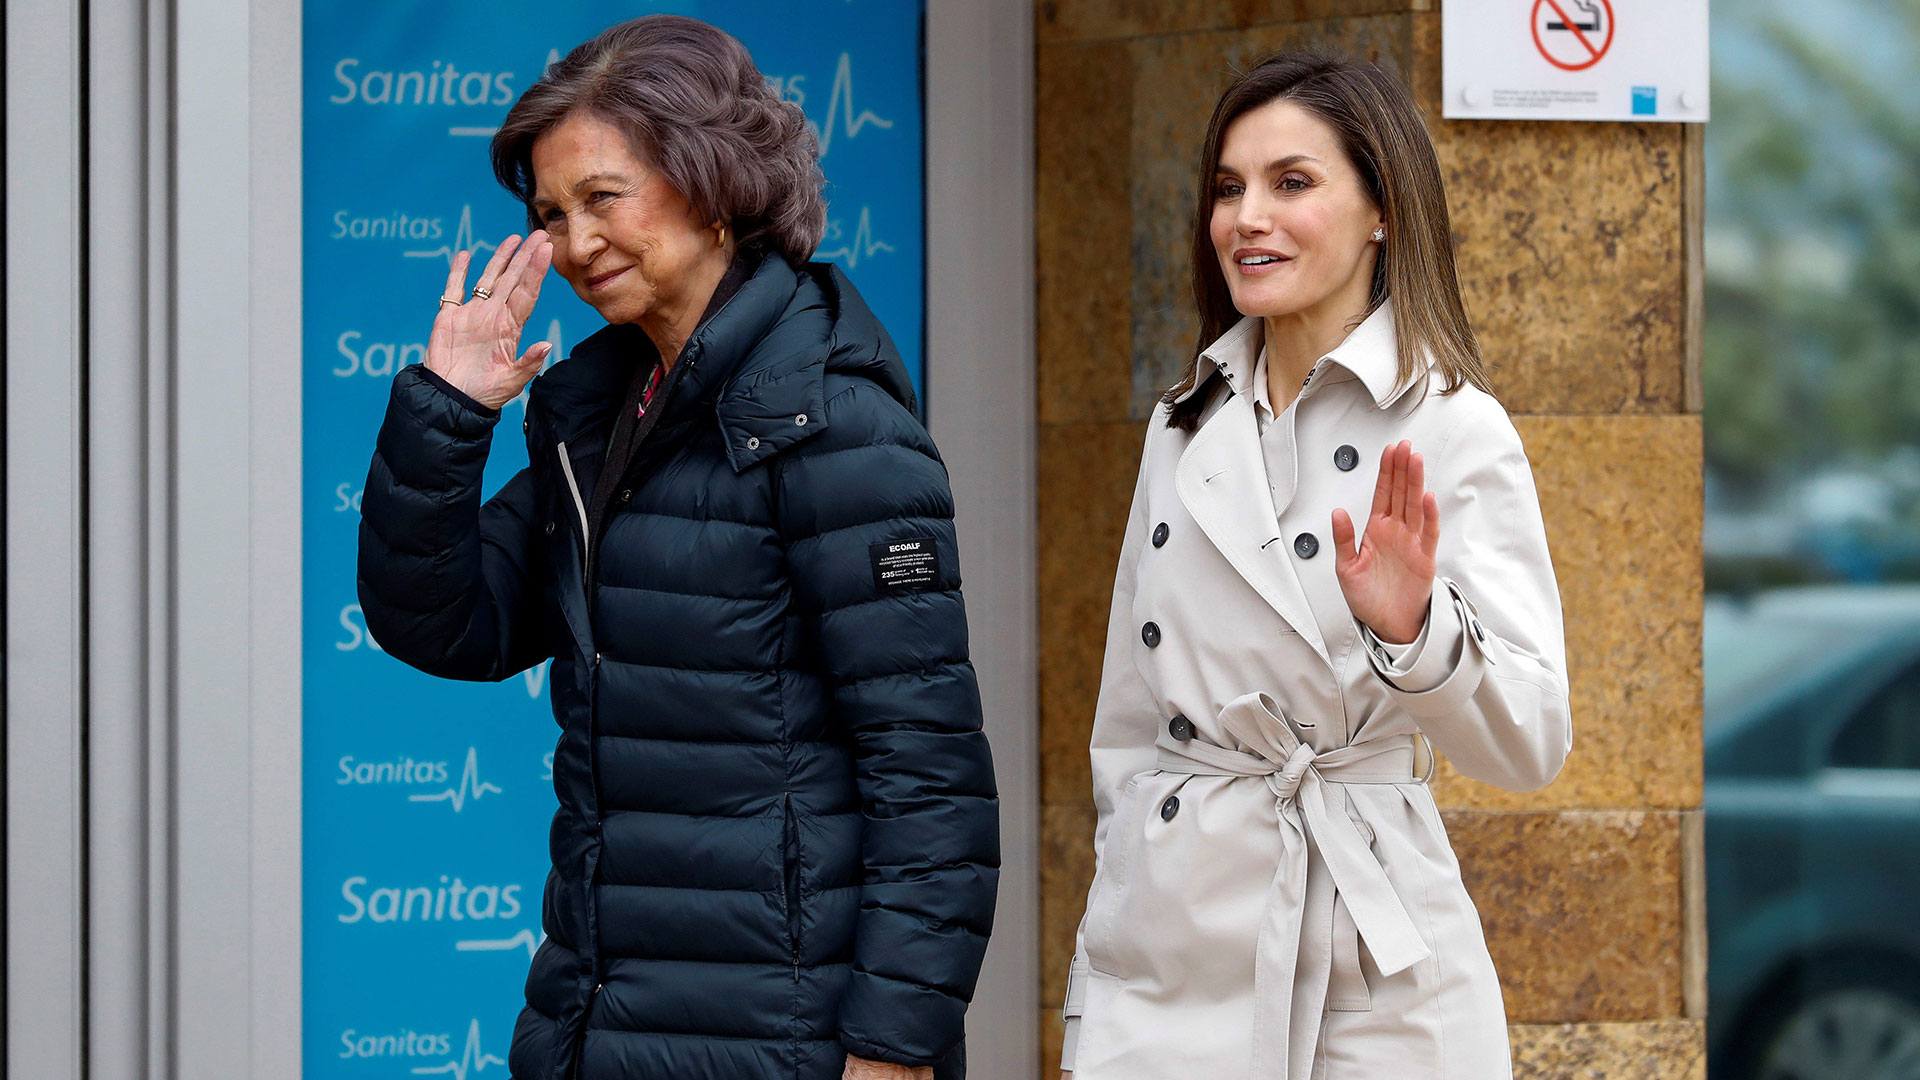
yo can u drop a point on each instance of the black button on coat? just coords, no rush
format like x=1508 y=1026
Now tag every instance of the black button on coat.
x=777 y=838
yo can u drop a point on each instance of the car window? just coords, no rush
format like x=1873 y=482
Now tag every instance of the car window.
x=1885 y=732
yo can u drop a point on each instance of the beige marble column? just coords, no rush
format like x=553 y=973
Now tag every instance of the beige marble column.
x=1578 y=250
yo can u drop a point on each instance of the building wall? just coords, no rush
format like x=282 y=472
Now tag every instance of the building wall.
x=1579 y=255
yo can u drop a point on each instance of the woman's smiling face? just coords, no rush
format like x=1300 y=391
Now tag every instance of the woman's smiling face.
x=1292 y=221
x=623 y=237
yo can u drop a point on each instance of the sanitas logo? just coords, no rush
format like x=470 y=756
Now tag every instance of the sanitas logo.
x=442 y=84
x=377 y=358
x=402 y=771
x=348 y=225
x=384 y=359
x=354 y=1044
x=452 y=900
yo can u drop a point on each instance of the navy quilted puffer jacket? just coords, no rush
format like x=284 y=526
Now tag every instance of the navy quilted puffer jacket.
x=777 y=839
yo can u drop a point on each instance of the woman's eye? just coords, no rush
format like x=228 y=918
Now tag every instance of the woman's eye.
x=600 y=196
x=1294 y=183
x=1227 y=190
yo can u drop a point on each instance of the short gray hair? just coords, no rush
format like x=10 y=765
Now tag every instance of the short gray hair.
x=698 y=110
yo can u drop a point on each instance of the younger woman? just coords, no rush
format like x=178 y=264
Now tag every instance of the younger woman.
x=1334 y=563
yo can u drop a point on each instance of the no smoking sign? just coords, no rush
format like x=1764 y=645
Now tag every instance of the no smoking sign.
x=1573 y=35
x=1574 y=60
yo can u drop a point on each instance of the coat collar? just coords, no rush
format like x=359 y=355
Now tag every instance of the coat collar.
x=1369 y=352
x=757 y=365
x=1221 y=478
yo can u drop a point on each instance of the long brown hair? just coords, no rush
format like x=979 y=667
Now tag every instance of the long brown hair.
x=1380 y=130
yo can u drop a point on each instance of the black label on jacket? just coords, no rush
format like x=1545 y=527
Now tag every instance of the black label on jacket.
x=906 y=565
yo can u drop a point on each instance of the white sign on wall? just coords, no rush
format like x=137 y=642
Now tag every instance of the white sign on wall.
x=1574 y=59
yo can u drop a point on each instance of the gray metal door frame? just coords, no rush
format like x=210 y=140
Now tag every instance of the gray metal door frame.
x=46 y=583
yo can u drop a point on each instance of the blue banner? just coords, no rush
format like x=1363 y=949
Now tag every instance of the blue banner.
x=425 y=803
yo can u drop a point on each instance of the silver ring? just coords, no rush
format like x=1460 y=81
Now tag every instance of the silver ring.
x=481 y=292
x=444 y=301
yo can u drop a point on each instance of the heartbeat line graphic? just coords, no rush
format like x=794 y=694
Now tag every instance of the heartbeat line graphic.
x=863 y=244
x=470 y=785
x=472 y=1058
x=522 y=940
x=840 y=106
x=463 y=240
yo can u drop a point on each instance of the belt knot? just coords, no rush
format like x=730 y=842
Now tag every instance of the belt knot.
x=1285 y=782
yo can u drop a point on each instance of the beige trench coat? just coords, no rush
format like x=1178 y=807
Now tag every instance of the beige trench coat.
x=1275 y=896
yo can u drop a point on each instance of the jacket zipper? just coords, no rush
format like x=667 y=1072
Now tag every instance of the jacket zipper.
x=580 y=506
x=593 y=764
x=589 y=535
x=593 y=700
x=790 y=875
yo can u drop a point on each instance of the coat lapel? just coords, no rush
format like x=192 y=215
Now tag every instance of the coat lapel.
x=1222 y=481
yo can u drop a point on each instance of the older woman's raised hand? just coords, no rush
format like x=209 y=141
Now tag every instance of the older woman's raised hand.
x=476 y=341
x=1388 y=581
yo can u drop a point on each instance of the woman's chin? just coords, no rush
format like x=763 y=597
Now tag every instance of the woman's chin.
x=617 y=309
x=1266 y=305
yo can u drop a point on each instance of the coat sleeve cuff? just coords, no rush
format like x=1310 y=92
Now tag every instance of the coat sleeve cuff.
x=422 y=382
x=1441 y=668
x=434 y=379
x=876 y=1052
x=1425 y=662
x=1397 y=658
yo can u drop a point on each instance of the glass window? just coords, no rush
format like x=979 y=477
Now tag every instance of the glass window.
x=1811 y=415
x=1885 y=732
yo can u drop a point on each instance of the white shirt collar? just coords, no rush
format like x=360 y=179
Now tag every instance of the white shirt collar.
x=1370 y=352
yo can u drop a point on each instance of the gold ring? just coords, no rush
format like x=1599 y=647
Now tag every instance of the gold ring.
x=481 y=292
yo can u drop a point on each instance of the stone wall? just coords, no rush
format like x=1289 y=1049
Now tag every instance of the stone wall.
x=1579 y=254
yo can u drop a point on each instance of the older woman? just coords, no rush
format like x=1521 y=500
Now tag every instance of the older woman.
x=776 y=847
x=1335 y=562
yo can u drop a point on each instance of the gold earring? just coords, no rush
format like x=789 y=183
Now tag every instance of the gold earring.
x=723 y=236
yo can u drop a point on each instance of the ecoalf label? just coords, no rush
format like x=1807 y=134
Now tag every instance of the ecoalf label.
x=904 y=565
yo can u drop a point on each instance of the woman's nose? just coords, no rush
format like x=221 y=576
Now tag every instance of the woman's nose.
x=1253 y=219
x=583 y=243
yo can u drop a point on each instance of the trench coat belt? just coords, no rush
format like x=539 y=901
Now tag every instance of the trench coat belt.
x=1286 y=998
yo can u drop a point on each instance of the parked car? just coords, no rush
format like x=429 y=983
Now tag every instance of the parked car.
x=1812 y=749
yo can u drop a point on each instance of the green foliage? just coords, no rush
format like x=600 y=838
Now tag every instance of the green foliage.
x=1812 y=348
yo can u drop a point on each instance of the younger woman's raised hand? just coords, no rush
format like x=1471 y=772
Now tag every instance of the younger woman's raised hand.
x=1388 y=580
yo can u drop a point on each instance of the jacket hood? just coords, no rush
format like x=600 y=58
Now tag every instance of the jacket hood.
x=758 y=365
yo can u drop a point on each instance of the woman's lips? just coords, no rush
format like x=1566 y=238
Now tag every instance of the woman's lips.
x=604 y=279
x=1258 y=269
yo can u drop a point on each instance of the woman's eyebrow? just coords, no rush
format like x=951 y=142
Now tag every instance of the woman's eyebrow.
x=591 y=178
x=1277 y=165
